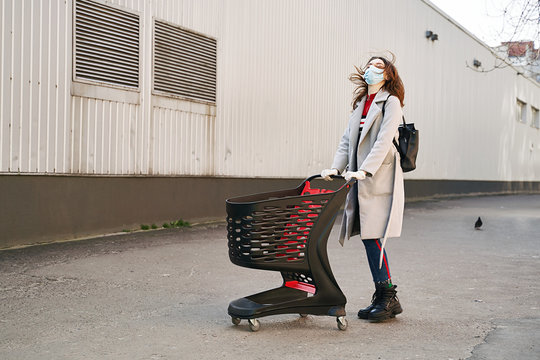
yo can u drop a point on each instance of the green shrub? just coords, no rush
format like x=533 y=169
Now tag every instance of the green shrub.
x=182 y=223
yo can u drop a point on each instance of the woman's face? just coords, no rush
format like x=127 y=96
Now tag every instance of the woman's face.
x=378 y=63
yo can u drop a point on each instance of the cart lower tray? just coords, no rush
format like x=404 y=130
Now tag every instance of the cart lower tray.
x=282 y=300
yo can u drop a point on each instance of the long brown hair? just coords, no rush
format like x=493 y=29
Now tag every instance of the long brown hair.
x=393 y=83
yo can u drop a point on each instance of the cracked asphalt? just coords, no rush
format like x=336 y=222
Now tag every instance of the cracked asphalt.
x=466 y=294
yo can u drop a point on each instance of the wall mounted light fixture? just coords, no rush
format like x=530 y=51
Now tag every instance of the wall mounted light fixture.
x=431 y=35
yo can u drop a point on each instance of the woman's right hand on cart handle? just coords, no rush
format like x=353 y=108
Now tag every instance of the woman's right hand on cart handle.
x=358 y=175
x=327 y=173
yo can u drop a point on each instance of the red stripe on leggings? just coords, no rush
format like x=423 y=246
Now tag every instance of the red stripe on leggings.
x=384 y=258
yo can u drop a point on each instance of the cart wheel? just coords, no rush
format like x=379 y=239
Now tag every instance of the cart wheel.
x=342 y=323
x=235 y=320
x=303 y=315
x=254 y=324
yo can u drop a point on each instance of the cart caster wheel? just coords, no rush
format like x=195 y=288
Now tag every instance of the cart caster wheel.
x=235 y=320
x=342 y=323
x=303 y=315
x=254 y=324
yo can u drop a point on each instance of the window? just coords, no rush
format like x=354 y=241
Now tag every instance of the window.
x=184 y=62
x=521 y=111
x=535 y=117
x=106 y=44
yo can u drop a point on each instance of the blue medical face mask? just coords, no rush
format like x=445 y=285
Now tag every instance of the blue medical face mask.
x=374 y=75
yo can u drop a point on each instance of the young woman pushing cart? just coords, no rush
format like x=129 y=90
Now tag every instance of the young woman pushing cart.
x=374 y=205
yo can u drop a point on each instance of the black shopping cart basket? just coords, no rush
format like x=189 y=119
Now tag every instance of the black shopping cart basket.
x=287 y=231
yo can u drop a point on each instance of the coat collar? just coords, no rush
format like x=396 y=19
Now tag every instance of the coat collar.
x=380 y=96
x=374 y=110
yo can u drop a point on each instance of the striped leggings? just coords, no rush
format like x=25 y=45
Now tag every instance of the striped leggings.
x=373 y=251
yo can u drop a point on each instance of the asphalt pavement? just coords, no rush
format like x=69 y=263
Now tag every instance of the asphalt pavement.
x=466 y=293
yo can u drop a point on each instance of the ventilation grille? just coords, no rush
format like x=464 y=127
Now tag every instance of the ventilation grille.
x=106 y=44
x=184 y=63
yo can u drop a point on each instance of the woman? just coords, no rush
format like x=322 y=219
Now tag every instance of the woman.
x=374 y=206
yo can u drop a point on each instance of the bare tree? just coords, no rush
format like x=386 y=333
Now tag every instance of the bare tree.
x=521 y=21
x=521 y=16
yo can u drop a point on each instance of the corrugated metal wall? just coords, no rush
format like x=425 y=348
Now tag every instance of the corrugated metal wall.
x=283 y=97
x=48 y=126
x=35 y=63
x=105 y=136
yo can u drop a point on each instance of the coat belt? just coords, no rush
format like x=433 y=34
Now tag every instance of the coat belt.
x=396 y=164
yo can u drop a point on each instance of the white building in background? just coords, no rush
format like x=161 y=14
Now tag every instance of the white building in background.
x=119 y=112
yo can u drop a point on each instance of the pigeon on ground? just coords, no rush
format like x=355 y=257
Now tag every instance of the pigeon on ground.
x=478 y=224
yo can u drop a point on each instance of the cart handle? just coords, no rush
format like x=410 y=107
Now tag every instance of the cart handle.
x=350 y=182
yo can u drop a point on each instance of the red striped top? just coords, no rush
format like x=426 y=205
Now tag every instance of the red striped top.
x=369 y=100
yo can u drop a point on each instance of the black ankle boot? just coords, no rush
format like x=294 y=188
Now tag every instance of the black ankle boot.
x=387 y=307
x=363 y=313
x=379 y=286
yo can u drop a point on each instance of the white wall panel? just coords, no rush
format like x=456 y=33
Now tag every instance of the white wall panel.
x=283 y=97
x=35 y=64
x=183 y=142
x=105 y=137
x=287 y=95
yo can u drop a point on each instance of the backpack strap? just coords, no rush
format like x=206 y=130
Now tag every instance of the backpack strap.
x=384 y=104
x=403 y=118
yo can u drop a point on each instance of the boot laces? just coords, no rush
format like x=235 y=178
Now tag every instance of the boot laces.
x=387 y=295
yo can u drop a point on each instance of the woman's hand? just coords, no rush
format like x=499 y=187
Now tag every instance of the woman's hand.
x=358 y=175
x=326 y=173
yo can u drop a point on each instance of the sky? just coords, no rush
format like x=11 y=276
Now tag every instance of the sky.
x=484 y=18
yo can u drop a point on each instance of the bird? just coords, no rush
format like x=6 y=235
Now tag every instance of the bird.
x=478 y=224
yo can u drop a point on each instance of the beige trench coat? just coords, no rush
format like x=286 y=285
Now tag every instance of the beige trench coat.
x=381 y=194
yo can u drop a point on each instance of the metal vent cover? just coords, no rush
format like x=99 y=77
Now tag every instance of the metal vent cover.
x=106 y=44
x=184 y=62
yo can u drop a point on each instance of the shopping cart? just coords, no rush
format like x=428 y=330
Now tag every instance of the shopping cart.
x=287 y=231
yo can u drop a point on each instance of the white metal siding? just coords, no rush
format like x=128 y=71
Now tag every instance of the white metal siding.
x=282 y=100
x=105 y=137
x=35 y=68
x=183 y=143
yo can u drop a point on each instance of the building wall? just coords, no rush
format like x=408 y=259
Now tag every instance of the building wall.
x=51 y=124
x=283 y=95
x=283 y=101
